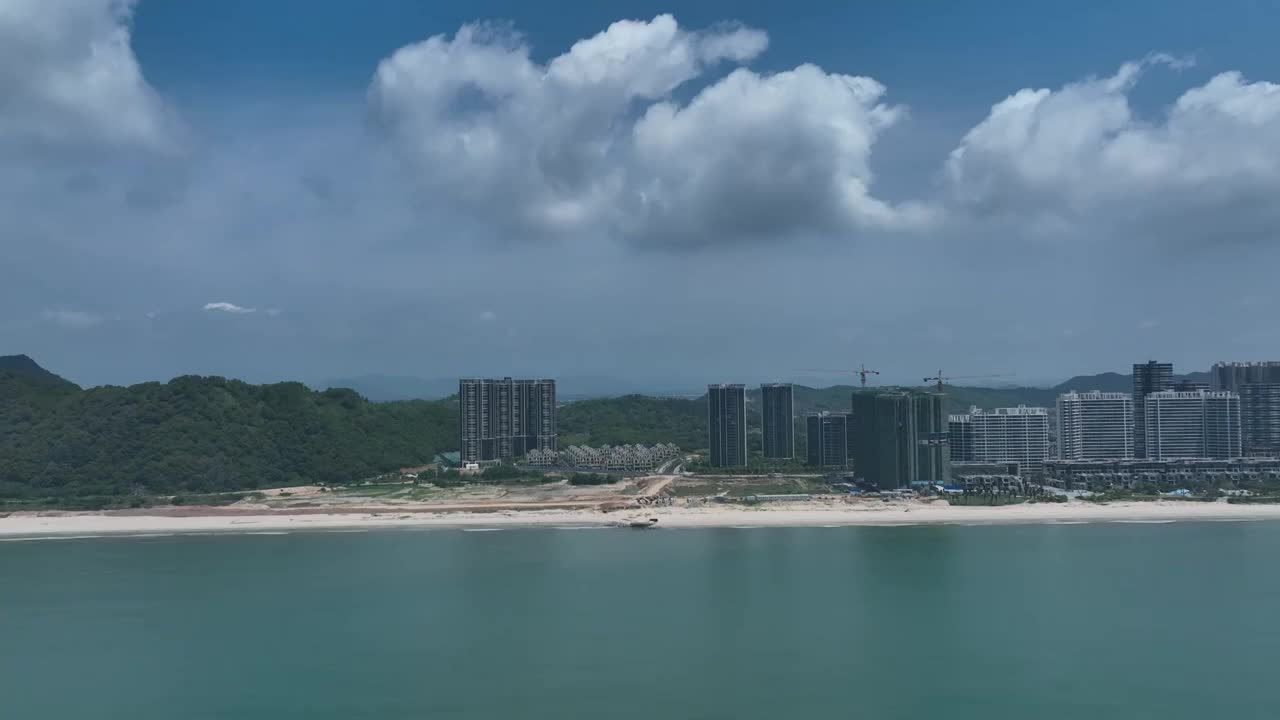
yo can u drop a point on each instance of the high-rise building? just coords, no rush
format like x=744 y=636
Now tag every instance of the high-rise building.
x=1260 y=419
x=1019 y=434
x=727 y=425
x=960 y=438
x=1259 y=386
x=1199 y=424
x=777 y=421
x=1148 y=377
x=1095 y=426
x=504 y=419
x=899 y=437
x=1233 y=376
x=827 y=439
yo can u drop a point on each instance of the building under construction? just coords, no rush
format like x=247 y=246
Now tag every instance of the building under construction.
x=1258 y=384
x=502 y=419
x=898 y=437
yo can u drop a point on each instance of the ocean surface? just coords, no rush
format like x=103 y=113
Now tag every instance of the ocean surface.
x=1095 y=621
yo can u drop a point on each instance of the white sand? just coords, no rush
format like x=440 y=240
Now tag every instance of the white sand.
x=30 y=525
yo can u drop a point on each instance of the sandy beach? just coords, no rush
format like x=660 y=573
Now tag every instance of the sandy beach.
x=192 y=520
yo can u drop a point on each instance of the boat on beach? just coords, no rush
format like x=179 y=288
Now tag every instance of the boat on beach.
x=643 y=524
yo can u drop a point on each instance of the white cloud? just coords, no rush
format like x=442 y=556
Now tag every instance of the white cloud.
x=579 y=145
x=71 y=319
x=68 y=77
x=764 y=157
x=228 y=308
x=1207 y=168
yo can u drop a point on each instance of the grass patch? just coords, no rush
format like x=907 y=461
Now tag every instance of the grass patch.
x=986 y=500
x=374 y=490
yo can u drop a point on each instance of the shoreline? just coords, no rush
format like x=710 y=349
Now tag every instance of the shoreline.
x=195 y=520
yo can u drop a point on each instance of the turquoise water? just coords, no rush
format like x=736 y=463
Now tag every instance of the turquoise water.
x=1069 y=621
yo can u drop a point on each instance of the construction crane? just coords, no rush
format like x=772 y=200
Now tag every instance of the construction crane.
x=940 y=378
x=861 y=371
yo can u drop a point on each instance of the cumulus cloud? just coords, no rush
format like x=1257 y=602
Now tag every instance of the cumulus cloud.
x=71 y=319
x=227 y=307
x=592 y=142
x=1080 y=155
x=763 y=157
x=68 y=76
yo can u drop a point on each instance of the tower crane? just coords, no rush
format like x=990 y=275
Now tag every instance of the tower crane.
x=862 y=371
x=940 y=378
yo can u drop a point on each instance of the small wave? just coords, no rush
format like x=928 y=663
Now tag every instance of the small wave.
x=1070 y=522
x=578 y=527
x=268 y=532
x=1143 y=522
x=352 y=530
x=745 y=527
x=483 y=529
x=30 y=538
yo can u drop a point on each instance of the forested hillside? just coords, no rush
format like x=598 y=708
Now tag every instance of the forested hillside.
x=201 y=434
x=634 y=419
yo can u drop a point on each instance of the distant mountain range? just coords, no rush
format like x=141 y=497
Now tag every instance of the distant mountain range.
x=389 y=388
x=21 y=366
x=1116 y=382
x=385 y=388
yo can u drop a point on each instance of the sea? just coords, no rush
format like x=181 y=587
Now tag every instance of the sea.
x=1094 y=621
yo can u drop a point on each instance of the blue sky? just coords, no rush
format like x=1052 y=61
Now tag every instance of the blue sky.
x=965 y=54
x=315 y=189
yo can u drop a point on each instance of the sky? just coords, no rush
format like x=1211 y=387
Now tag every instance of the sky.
x=657 y=194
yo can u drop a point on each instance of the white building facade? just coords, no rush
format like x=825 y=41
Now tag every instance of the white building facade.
x=1019 y=434
x=1195 y=424
x=1095 y=426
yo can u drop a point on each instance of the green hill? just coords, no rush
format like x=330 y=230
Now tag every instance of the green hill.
x=633 y=419
x=201 y=434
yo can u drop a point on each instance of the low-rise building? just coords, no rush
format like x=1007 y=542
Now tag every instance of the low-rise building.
x=622 y=458
x=1107 y=474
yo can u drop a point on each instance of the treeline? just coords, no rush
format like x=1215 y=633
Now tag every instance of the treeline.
x=197 y=435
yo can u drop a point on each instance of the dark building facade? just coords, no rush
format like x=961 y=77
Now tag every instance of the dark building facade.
x=1260 y=416
x=506 y=418
x=777 y=421
x=962 y=440
x=1258 y=384
x=1148 y=377
x=827 y=440
x=897 y=438
x=727 y=425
